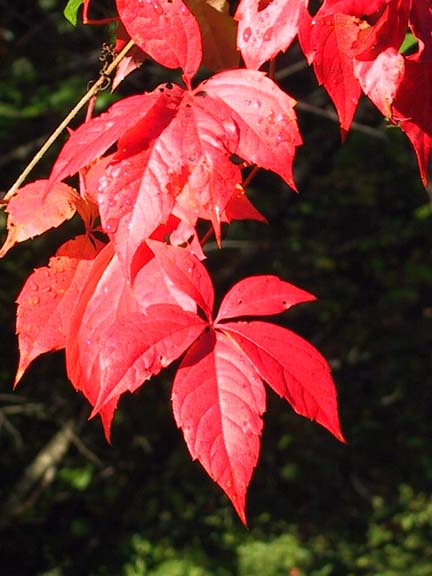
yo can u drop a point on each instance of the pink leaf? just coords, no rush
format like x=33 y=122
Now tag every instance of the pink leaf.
x=218 y=399
x=32 y=212
x=264 y=115
x=292 y=367
x=380 y=78
x=263 y=33
x=261 y=295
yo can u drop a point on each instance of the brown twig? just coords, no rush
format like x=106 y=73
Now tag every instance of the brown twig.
x=97 y=86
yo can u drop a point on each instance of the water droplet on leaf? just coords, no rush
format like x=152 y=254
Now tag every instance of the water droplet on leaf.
x=111 y=226
x=247 y=33
x=268 y=34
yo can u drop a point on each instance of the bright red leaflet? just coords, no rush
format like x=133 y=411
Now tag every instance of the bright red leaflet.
x=261 y=295
x=218 y=399
x=328 y=43
x=165 y=30
x=47 y=300
x=292 y=367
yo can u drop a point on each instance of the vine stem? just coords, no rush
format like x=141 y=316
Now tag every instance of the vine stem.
x=87 y=96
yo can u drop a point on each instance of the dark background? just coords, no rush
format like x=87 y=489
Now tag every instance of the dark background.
x=358 y=236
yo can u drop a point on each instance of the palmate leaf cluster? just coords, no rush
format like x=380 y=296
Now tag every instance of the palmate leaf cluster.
x=372 y=265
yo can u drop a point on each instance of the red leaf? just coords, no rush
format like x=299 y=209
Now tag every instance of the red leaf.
x=292 y=367
x=421 y=24
x=73 y=342
x=263 y=33
x=329 y=43
x=388 y=31
x=261 y=295
x=218 y=399
x=94 y=137
x=239 y=207
x=264 y=115
x=47 y=300
x=186 y=272
x=159 y=337
x=208 y=132
x=165 y=30
x=32 y=212
x=106 y=300
x=152 y=285
x=133 y=59
x=412 y=108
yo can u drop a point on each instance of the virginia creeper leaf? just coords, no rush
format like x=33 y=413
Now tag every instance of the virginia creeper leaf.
x=73 y=342
x=267 y=125
x=388 y=31
x=264 y=32
x=133 y=59
x=165 y=30
x=380 y=78
x=186 y=272
x=412 y=108
x=261 y=295
x=292 y=367
x=159 y=337
x=31 y=212
x=239 y=207
x=328 y=43
x=47 y=300
x=93 y=138
x=218 y=399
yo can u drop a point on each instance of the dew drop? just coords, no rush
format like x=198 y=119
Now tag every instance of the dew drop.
x=248 y=102
x=257 y=104
x=112 y=203
x=35 y=300
x=111 y=226
x=247 y=33
x=157 y=8
x=313 y=22
x=268 y=34
x=105 y=289
x=279 y=138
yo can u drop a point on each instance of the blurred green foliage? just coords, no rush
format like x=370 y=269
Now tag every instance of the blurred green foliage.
x=359 y=237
